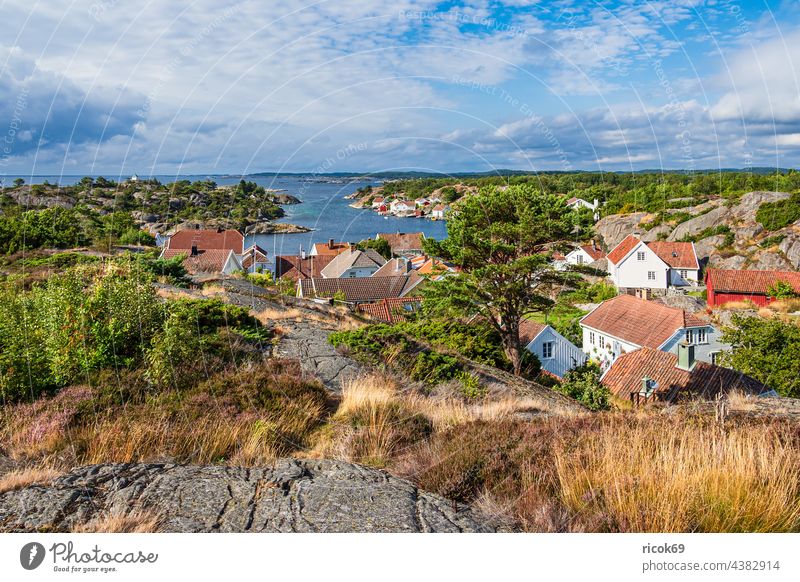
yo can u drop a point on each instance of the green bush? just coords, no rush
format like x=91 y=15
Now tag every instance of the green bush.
x=433 y=368
x=778 y=214
x=583 y=384
x=471 y=386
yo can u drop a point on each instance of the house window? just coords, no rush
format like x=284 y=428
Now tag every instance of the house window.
x=651 y=275
x=684 y=273
x=591 y=337
x=640 y=256
x=602 y=342
x=547 y=350
x=690 y=336
x=714 y=358
x=580 y=259
x=701 y=335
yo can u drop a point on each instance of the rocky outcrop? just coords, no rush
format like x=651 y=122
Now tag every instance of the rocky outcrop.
x=790 y=247
x=291 y=496
x=308 y=343
x=705 y=247
x=769 y=261
x=616 y=227
x=698 y=224
x=269 y=227
x=285 y=199
x=749 y=203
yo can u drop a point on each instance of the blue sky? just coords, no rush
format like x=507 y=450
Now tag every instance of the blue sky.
x=101 y=86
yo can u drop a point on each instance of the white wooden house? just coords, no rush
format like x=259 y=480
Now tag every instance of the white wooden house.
x=635 y=264
x=556 y=353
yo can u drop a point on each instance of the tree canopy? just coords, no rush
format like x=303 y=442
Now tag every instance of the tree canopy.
x=501 y=240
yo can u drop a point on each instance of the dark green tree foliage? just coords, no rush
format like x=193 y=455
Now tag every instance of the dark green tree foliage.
x=86 y=320
x=380 y=245
x=500 y=238
x=765 y=349
x=583 y=384
x=781 y=290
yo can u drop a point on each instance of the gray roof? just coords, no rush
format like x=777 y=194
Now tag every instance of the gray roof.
x=352 y=259
x=361 y=289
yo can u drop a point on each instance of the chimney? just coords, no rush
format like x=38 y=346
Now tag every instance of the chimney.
x=302 y=253
x=194 y=250
x=646 y=386
x=594 y=245
x=685 y=356
x=330 y=244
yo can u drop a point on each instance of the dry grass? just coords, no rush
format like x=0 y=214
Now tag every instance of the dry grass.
x=689 y=479
x=134 y=522
x=623 y=472
x=741 y=402
x=18 y=479
x=270 y=315
x=212 y=290
x=174 y=294
x=246 y=417
x=376 y=421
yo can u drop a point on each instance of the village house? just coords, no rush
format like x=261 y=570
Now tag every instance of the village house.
x=403 y=243
x=353 y=263
x=440 y=211
x=585 y=254
x=392 y=310
x=206 y=240
x=635 y=264
x=377 y=202
x=422 y=202
x=435 y=269
x=394 y=268
x=648 y=374
x=556 y=353
x=402 y=207
x=329 y=248
x=206 y=264
x=581 y=203
x=726 y=285
x=359 y=289
x=255 y=260
x=296 y=267
x=625 y=323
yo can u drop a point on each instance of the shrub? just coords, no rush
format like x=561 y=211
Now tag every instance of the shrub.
x=583 y=384
x=471 y=386
x=778 y=214
x=781 y=290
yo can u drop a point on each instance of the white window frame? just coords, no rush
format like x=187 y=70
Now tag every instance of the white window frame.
x=591 y=337
x=548 y=347
x=641 y=256
x=651 y=275
x=702 y=335
x=602 y=341
x=580 y=259
x=684 y=274
x=690 y=336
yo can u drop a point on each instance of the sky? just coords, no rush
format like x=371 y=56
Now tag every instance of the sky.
x=213 y=87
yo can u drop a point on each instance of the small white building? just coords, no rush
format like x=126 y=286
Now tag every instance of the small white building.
x=440 y=211
x=556 y=353
x=585 y=254
x=401 y=207
x=625 y=323
x=635 y=264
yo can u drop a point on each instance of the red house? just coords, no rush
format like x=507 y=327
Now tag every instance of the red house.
x=725 y=285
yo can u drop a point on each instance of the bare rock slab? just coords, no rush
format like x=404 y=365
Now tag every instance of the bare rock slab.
x=292 y=496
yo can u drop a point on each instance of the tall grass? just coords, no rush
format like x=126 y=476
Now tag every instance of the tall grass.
x=642 y=472
x=690 y=478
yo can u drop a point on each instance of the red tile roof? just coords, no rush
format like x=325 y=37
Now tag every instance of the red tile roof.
x=361 y=289
x=749 y=282
x=704 y=380
x=391 y=310
x=678 y=255
x=528 y=330
x=593 y=251
x=403 y=241
x=211 y=261
x=640 y=322
x=330 y=248
x=207 y=240
x=621 y=251
x=294 y=267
